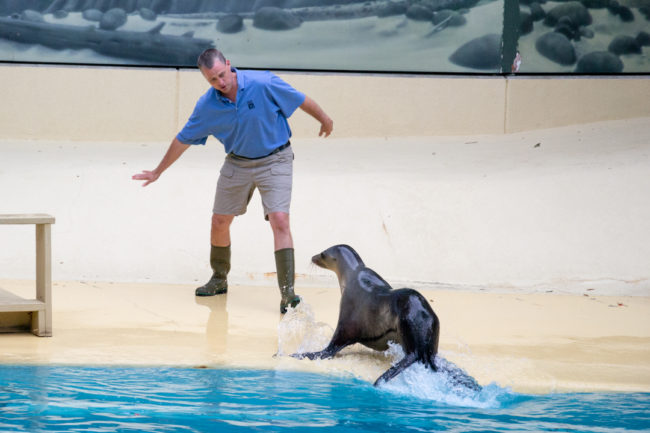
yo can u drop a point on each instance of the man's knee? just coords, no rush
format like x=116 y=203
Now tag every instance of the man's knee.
x=221 y=222
x=279 y=221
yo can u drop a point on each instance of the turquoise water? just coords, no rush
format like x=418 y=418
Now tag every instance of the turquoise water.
x=116 y=399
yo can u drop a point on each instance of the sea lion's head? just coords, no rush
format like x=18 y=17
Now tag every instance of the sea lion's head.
x=339 y=258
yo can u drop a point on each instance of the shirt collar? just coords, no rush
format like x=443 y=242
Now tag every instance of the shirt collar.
x=241 y=78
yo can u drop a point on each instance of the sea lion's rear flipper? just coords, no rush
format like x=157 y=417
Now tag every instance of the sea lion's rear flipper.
x=457 y=375
x=397 y=368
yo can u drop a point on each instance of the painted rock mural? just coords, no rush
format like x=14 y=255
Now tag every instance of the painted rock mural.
x=439 y=36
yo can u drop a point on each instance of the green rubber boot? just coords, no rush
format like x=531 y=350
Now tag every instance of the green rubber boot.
x=220 y=263
x=285 y=266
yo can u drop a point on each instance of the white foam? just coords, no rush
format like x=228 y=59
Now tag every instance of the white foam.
x=299 y=332
x=420 y=382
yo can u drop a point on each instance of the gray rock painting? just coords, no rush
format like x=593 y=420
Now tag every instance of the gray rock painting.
x=557 y=47
x=483 y=53
x=585 y=36
x=232 y=23
x=273 y=18
x=30 y=27
x=599 y=61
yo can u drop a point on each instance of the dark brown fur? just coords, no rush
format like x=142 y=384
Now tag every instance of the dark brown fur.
x=372 y=313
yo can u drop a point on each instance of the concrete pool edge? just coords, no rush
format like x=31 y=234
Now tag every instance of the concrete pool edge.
x=531 y=342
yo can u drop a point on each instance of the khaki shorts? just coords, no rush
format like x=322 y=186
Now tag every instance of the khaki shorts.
x=271 y=175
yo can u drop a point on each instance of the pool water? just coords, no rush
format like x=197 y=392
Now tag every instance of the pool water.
x=162 y=399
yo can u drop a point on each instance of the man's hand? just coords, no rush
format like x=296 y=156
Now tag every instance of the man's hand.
x=326 y=127
x=148 y=176
x=175 y=150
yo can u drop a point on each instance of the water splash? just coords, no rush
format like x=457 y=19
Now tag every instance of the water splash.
x=299 y=331
x=443 y=387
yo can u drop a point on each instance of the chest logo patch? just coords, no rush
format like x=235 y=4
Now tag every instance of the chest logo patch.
x=250 y=105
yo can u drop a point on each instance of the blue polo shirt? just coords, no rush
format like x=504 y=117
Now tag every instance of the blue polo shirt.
x=254 y=125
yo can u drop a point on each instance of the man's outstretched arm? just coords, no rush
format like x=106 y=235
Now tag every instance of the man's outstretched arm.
x=176 y=149
x=313 y=109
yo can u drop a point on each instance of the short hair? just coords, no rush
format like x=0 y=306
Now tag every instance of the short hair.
x=208 y=57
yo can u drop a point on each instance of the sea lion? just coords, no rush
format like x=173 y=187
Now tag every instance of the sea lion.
x=373 y=313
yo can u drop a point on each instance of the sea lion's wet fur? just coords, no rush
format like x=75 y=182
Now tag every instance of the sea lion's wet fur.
x=372 y=313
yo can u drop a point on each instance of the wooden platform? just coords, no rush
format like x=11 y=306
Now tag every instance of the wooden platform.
x=14 y=303
x=40 y=308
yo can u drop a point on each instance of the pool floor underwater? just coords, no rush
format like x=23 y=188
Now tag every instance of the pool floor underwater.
x=164 y=399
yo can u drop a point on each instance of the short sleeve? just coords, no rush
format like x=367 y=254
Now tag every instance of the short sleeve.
x=285 y=96
x=195 y=131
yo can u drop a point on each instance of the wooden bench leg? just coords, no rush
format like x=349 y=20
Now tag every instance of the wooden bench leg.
x=42 y=320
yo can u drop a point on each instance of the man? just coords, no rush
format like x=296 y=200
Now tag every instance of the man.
x=247 y=111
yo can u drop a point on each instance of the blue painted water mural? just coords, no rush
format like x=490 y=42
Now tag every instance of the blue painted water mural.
x=160 y=399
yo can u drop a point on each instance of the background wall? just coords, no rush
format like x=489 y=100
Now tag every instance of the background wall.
x=423 y=175
x=109 y=104
x=533 y=103
x=563 y=209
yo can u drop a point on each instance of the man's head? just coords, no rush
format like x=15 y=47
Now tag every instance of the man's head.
x=216 y=70
x=208 y=57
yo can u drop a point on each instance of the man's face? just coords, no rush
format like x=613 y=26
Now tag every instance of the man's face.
x=220 y=76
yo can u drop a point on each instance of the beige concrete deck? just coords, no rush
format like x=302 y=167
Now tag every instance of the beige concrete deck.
x=533 y=247
x=531 y=342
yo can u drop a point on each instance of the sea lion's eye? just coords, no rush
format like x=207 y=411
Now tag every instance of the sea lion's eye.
x=322 y=256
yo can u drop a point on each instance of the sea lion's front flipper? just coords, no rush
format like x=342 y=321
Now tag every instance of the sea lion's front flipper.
x=328 y=352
